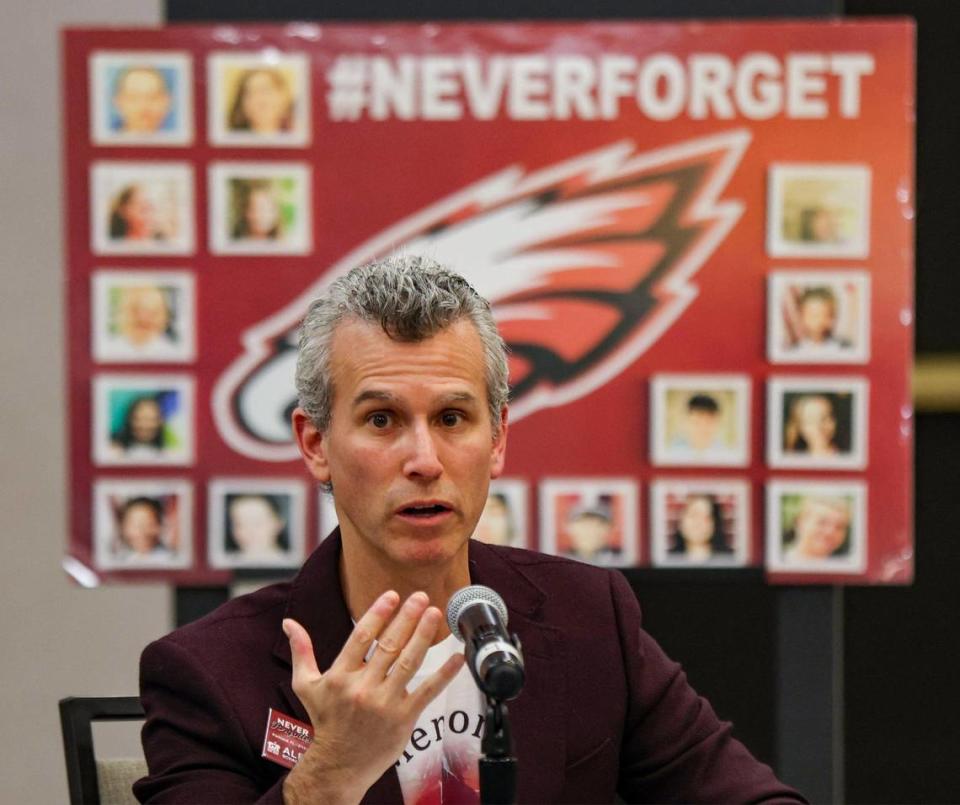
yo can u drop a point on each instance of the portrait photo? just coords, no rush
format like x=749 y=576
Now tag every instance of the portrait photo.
x=259 y=99
x=259 y=208
x=818 y=316
x=817 y=422
x=700 y=522
x=255 y=522
x=818 y=210
x=817 y=527
x=141 y=98
x=594 y=520
x=142 y=523
x=142 y=208
x=143 y=420
x=504 y=517
x=143 y=316
x=700 y=420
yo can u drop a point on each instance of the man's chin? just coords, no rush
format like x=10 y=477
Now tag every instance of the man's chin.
x=421 y=551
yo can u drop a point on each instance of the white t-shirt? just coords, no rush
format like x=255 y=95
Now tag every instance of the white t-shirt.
x=439 y=764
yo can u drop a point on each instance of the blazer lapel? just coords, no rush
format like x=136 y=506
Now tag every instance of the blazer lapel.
x=538 y=715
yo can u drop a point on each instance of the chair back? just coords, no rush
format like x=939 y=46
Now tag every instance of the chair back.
x=91 y=781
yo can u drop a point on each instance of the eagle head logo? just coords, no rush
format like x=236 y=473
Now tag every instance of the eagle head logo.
x=585 y=263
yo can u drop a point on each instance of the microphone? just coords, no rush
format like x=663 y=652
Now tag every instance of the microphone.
x=477 y=616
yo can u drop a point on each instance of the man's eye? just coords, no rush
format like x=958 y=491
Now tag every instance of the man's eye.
x=451 y=418
x=379 y=420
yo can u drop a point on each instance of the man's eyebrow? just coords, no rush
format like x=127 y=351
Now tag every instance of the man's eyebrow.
x=374 y=394
x=386 y=396
x=458 y=396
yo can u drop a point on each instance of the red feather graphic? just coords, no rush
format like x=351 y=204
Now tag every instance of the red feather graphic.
x=586 y=263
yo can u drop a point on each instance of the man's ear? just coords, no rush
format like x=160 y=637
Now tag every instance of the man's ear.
x=498 y=454
x=312 y=443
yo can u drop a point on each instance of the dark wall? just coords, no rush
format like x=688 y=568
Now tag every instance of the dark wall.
x=902 y=710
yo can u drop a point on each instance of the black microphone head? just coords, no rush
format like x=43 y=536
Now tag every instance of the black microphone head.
x=468 y=596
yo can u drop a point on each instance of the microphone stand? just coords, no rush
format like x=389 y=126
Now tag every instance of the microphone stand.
x=498 y=766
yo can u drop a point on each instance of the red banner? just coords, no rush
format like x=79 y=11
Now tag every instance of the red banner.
x=696 y=238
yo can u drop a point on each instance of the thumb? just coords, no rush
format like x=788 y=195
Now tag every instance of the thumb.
x=305 y=668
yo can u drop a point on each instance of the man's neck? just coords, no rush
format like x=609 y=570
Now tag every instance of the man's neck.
x=364 y=578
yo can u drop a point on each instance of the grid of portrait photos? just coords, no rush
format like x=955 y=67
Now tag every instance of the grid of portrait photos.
x=145 y=235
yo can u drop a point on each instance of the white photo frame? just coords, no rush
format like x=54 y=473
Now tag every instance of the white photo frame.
x=799 y=541
x=700 y=420
x=817 y=422
x=141 y=97
x=265 y=76
x=141 y=208
x=504 y=518
x=267 y=504
x=716 y=513
x=260 y=208
x=818 y=316
x=142 y=524
x=163 y=435
x=143 y=316
x=818 y=210
x=608 y=507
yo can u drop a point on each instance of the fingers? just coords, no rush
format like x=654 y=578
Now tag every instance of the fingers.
x=411 y=657
x=305 y=668
x=367 y=630
x=397 y=634
x=434 y=684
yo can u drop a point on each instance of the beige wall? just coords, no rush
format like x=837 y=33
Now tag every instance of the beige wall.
x=58 y=639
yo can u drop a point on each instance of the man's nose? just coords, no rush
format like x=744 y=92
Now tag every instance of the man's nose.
x=422 y=460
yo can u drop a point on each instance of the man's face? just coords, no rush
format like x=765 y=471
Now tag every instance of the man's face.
x=821 y=527
x=410 y=448
x=142 y=101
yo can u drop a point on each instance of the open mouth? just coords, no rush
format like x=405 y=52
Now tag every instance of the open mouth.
x=425 y=511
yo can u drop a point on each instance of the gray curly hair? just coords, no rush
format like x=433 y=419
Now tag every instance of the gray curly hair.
x=411 y=298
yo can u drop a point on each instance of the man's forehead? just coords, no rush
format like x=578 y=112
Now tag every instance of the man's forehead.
x=365 y=362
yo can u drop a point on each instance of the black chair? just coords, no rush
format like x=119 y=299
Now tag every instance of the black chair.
x=86 y=776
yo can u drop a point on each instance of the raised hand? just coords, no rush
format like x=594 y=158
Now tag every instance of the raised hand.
x=361 y=712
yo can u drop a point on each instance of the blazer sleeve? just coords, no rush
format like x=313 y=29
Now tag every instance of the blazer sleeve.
x=674 y=748
x=193 y=740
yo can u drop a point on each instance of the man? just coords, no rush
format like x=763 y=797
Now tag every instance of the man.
x=402 y=379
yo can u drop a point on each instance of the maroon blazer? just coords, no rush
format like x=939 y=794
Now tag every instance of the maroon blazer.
x=603 y=711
